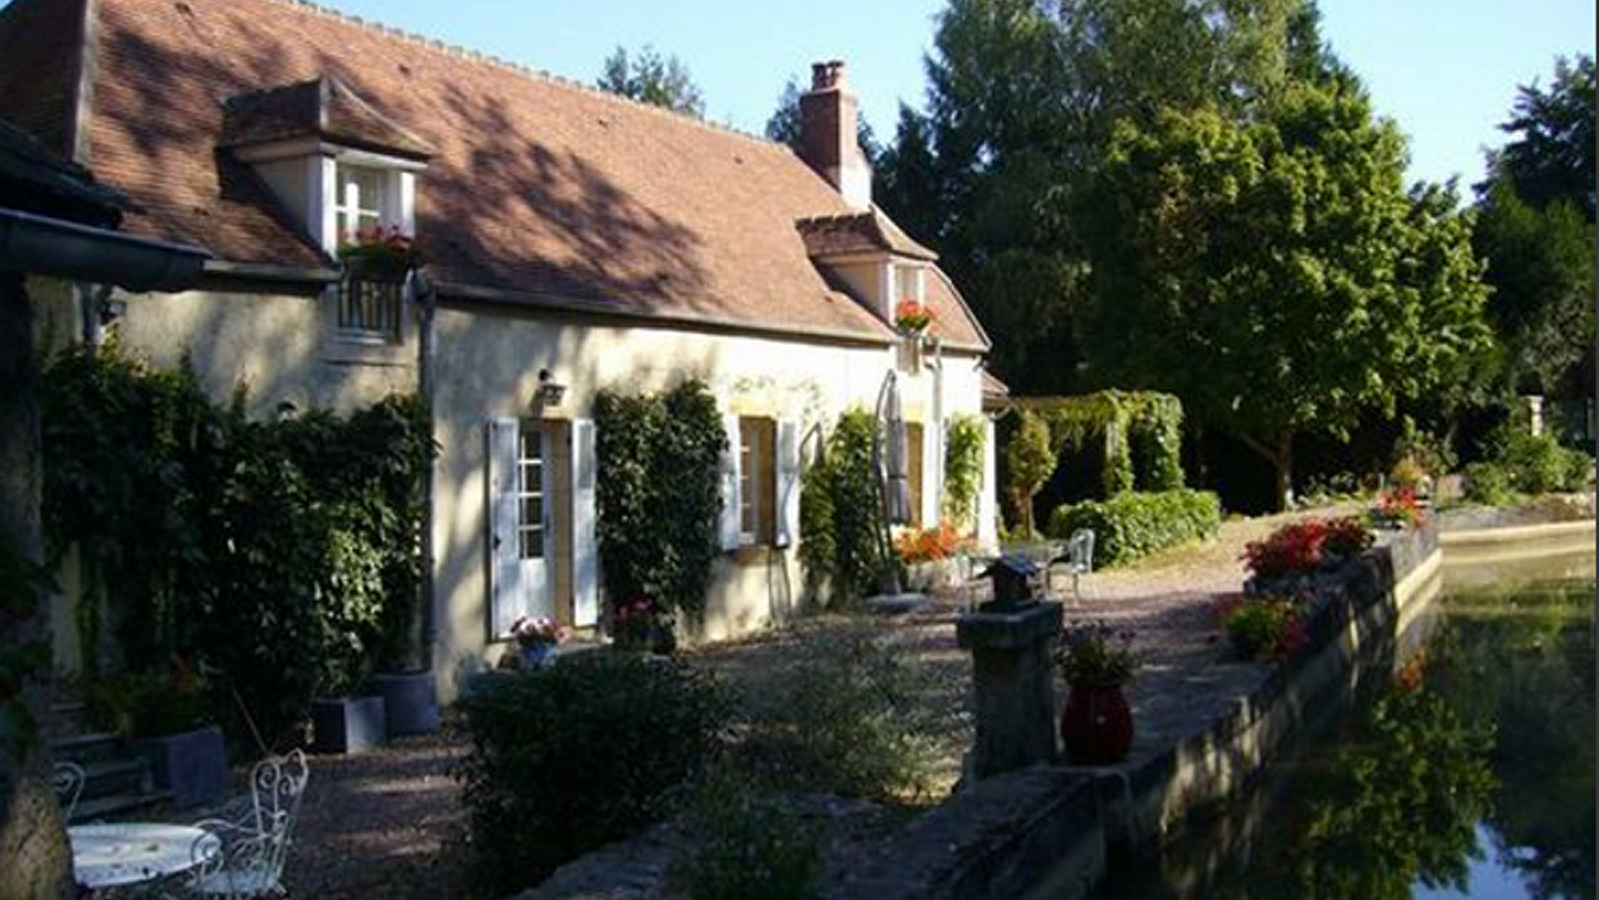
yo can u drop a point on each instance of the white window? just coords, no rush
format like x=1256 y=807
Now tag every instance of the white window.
x=360 y=199
x=530 y=494
x=908 y=283
x=755 y=469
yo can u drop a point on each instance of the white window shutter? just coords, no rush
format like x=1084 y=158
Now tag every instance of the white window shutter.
x=585 y=548
x=506 y=595
x=788 y=482
x=730 y=485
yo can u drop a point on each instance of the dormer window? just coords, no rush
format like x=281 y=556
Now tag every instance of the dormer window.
x=360 y=199
x=908 y=284
x=348 y=170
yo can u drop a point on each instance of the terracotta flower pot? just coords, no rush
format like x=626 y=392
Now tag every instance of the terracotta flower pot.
x=1097 y=724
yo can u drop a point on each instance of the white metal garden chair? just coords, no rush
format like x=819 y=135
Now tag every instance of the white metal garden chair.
x=67 y=781
x=255 y=842
x=1079 y=558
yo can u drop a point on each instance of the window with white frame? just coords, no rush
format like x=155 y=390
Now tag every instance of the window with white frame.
x=908 y=283
x=360 y=199
x=757 y=438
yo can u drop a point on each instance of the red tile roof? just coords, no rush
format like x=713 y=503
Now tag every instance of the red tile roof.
x=864 y=232
x=323 y=108
x=536 y=186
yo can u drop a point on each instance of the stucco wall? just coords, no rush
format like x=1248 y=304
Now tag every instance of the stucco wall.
x=487 y=366
x=280 y=343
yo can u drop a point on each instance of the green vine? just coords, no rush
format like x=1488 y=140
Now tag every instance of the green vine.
x=659 y=498
x=1138 y=434
x=963 y=467
x=840 y=513
x=285 y=556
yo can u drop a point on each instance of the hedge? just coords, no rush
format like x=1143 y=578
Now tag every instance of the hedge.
x=1135 y=524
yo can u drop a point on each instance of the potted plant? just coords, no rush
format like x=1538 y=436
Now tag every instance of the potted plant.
x=1267 y=627
x=912 y=316
x=167 y=714
x=537 y=639
x=1097 y=723
x=642 y=624
x=343 y=721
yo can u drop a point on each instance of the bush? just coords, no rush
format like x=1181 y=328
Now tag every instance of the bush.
x=1299 y=548
x=1132 y=525
x=841 y=518
x=744 y=844
x=1262 y=627
x=585 y=752
x=1488 y=483
x=1538 y=464
x=840 y=719
x=963 y=467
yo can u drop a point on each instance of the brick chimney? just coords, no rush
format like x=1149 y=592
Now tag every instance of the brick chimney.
x=827 y=134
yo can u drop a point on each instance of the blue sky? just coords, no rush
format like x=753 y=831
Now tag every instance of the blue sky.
x=1445 y=70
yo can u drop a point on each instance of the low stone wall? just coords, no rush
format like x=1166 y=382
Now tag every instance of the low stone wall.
x=1050 y=832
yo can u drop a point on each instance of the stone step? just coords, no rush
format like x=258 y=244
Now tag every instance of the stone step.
x=110 y=777
x=87 y=748
x=119 y=806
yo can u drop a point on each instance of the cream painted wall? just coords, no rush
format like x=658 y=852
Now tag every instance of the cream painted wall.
x=487 y=366
x=281 y=346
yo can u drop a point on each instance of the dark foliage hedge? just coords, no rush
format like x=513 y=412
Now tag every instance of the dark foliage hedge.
x=1131 y=525
x=569 y=758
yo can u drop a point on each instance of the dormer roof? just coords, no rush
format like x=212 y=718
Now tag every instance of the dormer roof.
x=851 y=234
x=324 y=109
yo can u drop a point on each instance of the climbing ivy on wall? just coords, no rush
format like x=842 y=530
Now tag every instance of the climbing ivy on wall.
x=1138 y=433
x=658 y=498
x=285 y=556
x=841 y=515
x=963 y=468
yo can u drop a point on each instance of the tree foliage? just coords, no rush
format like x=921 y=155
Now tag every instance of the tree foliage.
x=649 y=77
x=1029 y=460
x=1552 y=156
x=1273 y=273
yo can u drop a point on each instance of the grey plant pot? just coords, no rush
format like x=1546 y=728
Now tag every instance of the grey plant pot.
x=410 y=702
x=192 y=765
x=347 y=724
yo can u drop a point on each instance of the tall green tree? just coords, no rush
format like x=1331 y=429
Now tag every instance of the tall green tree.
x=1273 y=272
x=1541 y=267
x=649 y=77
x=1023 y=98
x=1551 y=157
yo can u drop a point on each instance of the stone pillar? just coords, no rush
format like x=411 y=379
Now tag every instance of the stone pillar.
x=1013 y=675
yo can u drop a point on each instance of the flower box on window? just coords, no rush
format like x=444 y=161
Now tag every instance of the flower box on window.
x=912 y=317
x=379 y=254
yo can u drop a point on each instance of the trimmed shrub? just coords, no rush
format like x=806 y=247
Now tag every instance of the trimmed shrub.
x=1488 y=483
x=840 y=719
x=743 y=844
x=588 y=751
x=1538 y=464
x=841 y=517
x=1132 y=525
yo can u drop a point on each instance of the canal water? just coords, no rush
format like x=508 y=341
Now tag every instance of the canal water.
x=1466 y=770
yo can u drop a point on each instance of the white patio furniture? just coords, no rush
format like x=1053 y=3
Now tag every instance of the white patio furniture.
x=120 y=855
x=255 y=842
x=1079 y=558
x=67 y=781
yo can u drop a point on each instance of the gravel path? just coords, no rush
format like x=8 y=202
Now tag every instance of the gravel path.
x=390 y=823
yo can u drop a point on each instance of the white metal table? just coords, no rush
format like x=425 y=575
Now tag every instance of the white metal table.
x=125 y=853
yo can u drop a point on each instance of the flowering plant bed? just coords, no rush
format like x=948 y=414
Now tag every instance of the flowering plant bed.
x=929 y=544
x=1301 y=548
x=912 y=316
x=539 y=631
x=1398 y=508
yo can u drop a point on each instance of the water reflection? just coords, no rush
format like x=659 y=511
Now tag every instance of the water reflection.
x=1470 y=775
